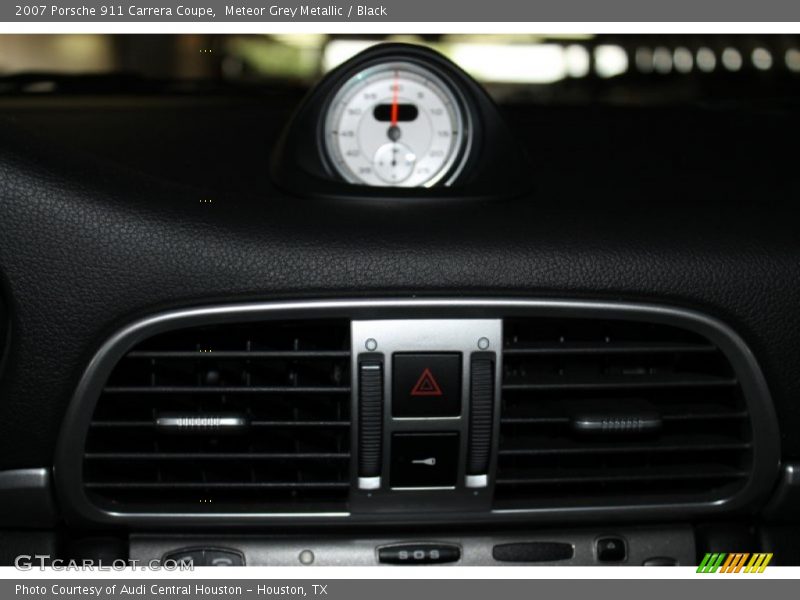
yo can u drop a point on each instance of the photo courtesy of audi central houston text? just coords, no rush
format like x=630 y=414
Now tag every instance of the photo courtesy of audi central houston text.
x=381 y=300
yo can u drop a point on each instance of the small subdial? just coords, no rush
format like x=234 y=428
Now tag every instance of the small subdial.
x=394 y=162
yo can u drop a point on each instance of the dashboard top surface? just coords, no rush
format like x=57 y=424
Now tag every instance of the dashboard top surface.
x=689 y=207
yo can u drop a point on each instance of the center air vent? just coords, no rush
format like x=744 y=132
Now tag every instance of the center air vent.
x=241 y=414
x=245 y=418
x=604 y=412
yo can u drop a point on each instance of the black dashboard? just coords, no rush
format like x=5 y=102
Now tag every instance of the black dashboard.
x=635 y=279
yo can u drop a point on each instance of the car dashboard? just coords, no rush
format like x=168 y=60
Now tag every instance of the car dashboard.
x=576 y=342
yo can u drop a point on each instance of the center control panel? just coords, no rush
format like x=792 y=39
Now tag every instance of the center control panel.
x=424 y=396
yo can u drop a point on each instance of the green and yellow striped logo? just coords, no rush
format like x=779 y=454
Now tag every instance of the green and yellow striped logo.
x=734 y=562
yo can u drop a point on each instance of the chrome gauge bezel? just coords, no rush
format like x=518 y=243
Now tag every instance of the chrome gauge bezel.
x=452 y=167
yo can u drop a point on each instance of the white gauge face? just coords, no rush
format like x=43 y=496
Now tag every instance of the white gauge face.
x=396 y=124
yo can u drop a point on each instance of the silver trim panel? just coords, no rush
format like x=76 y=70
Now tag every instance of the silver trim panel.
x=421 y=336
x=643 y=543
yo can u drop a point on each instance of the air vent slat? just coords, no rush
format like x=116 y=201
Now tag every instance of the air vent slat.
x=300 y=424
x=291 y=355
x=618 y=375
x=251 y=417
x=215 y=456
x=707 y=416
x=686 y=417
x=226 y=390
x=629 y=477
x=608 y=349
x=261 y=485
x=534 y=420
x=634 y=382
x=276 y=424
x=632 y=448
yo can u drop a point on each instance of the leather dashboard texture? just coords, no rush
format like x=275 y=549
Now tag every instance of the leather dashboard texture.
x=114 y=209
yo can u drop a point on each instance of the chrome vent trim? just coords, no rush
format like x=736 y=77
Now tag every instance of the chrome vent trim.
x=78 y=509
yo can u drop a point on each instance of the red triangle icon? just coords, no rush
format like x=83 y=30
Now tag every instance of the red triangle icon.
x=426 y=385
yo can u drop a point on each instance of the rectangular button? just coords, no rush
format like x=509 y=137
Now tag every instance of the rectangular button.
x=426 y=385
x=425 y=554
x=422 y=460
x=533 y=552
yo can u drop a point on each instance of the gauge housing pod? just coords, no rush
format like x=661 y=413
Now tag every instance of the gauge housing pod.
x=494 y=164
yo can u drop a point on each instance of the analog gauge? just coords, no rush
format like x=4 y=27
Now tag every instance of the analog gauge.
x=396 y=124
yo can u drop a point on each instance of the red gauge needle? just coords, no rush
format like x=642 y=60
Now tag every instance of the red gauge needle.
x=395 y=108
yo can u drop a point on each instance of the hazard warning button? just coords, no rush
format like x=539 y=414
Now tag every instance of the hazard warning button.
x=426 y=385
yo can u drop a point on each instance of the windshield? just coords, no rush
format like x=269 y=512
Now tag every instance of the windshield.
x=547 y=69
